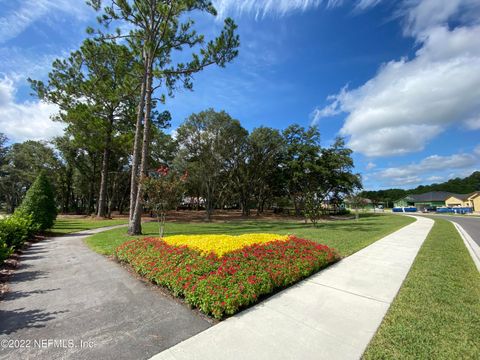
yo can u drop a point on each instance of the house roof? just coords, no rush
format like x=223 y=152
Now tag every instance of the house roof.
x=474 y=194
x=438 y=196
x=465 y=197
x=431 y=196
x=462 y=197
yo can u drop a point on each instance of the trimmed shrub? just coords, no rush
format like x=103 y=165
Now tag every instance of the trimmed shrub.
x=39 y=203
x=15 y=230
x=5 y=251
x=344 y=212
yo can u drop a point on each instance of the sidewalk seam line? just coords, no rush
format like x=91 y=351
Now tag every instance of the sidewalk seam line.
x=309 y=326
x=351 y=293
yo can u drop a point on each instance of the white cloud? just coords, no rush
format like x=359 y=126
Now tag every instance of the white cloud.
x=18 y=19
x=477 y=150
x=370 y=166
x=29 y=120
x=473 y=123
x=409 y=102
x=365 y=4
x=420 y=16
x=263 y=7
x=432 y=168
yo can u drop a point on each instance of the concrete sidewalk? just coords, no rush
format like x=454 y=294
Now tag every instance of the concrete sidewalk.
x=331 y=315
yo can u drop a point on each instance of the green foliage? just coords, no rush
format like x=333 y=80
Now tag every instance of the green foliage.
x=39 y=203
x=16 y=229
x=211 y=143
x=22 y=164
x=3 y=148
x=317 y=175
x=164 y=189
x=313 y=208
x=5 y=251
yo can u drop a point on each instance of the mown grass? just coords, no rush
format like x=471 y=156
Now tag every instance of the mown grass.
x=436 y=314
x=346 y=236
x=66 y=226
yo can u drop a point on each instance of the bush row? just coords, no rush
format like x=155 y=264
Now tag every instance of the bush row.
x=14 y=231
x=221 y=286
x=36 y=213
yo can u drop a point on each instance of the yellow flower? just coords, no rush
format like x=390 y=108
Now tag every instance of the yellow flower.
x=221 y=244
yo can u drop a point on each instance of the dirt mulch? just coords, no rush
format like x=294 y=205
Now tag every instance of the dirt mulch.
x=11 y=264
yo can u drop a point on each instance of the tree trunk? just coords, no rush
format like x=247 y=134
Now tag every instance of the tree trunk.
x=91 y=190
x=136 y=150
x=102 y=196
x=135 y=226
x=208 y=203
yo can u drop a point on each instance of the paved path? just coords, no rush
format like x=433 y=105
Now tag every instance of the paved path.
x=331 y=315
x=64 y=291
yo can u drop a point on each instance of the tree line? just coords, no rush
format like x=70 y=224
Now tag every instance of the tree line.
x=457 y=185
x=111 y=96
x=227 y=166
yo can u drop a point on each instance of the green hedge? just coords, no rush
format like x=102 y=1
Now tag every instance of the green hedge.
x=36 y=213
x=5 y=251
x=14 y=231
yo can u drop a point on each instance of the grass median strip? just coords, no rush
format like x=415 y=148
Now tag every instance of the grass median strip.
x=436 y=314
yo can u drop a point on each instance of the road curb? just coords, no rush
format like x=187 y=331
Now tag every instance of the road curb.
x=471 y=245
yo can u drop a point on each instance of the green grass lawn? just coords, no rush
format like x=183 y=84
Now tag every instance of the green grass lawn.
x=66 y=226
x=347 y=236
x=436 y=314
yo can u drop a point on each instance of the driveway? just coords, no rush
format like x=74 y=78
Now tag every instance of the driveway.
x=64 y=294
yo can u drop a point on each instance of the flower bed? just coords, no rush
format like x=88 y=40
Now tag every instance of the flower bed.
x=221 y=286
x=221 y=244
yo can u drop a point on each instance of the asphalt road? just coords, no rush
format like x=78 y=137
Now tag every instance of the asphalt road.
x=65 y=292
x=470 y=224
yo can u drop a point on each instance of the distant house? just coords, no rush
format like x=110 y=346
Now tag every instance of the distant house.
x=364 y=203
x=432 y=199
x=464 y=200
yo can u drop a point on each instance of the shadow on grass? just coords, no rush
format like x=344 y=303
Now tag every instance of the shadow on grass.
x=252 y=226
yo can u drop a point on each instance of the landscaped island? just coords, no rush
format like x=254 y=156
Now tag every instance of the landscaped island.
x=222 y=274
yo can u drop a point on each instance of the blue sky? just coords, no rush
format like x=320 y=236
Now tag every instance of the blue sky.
x=400 y=80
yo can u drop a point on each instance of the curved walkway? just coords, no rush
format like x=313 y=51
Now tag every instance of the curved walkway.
x=331 y=315
x=65 y=292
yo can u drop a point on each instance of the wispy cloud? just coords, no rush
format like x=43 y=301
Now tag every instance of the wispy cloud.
x=431 y=168
x=28 y=120
x=262 y=8
x=19 y=17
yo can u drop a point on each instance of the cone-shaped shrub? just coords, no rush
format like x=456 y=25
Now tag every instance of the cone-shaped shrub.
x=39 y=203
